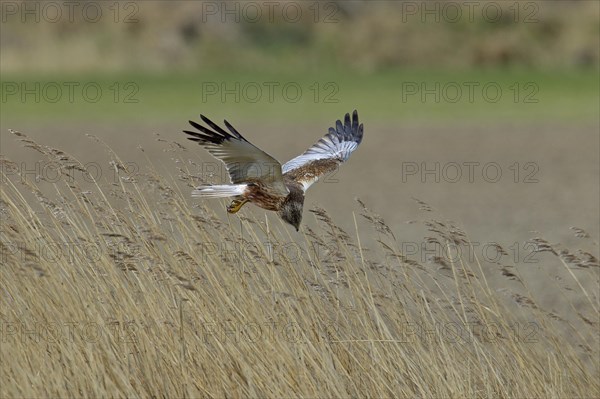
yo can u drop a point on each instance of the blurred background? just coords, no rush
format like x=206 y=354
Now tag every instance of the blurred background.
x=451 y=94
x=165 y=36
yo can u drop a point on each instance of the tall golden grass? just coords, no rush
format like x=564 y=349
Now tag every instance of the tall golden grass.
x=125 y=287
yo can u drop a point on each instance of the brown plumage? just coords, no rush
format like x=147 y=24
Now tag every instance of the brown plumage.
x=258 y=178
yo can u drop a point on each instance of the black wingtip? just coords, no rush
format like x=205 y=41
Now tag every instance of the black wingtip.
x=359 y=134
x=234 y=131
x=196 y=125
x=206 y=135
x=216 y=136
x=350 y=129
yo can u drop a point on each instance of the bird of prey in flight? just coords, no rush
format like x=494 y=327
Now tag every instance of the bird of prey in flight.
x=259 y=178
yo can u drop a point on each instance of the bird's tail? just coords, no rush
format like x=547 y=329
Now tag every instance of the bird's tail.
x=219 y=191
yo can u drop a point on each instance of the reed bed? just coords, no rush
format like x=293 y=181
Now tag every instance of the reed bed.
x=126 y=287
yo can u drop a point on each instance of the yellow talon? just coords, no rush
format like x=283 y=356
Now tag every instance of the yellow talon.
x=236 y=205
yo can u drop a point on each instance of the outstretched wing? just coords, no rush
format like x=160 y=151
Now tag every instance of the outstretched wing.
x=327 y=153
x=244 y=161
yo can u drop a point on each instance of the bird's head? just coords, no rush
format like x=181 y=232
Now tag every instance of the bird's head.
x=291 y=211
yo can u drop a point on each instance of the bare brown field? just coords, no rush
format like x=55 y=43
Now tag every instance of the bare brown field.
x=118 y=284
x=547 y=183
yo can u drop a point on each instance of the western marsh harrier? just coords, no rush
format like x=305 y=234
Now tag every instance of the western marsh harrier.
x=259 y=178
